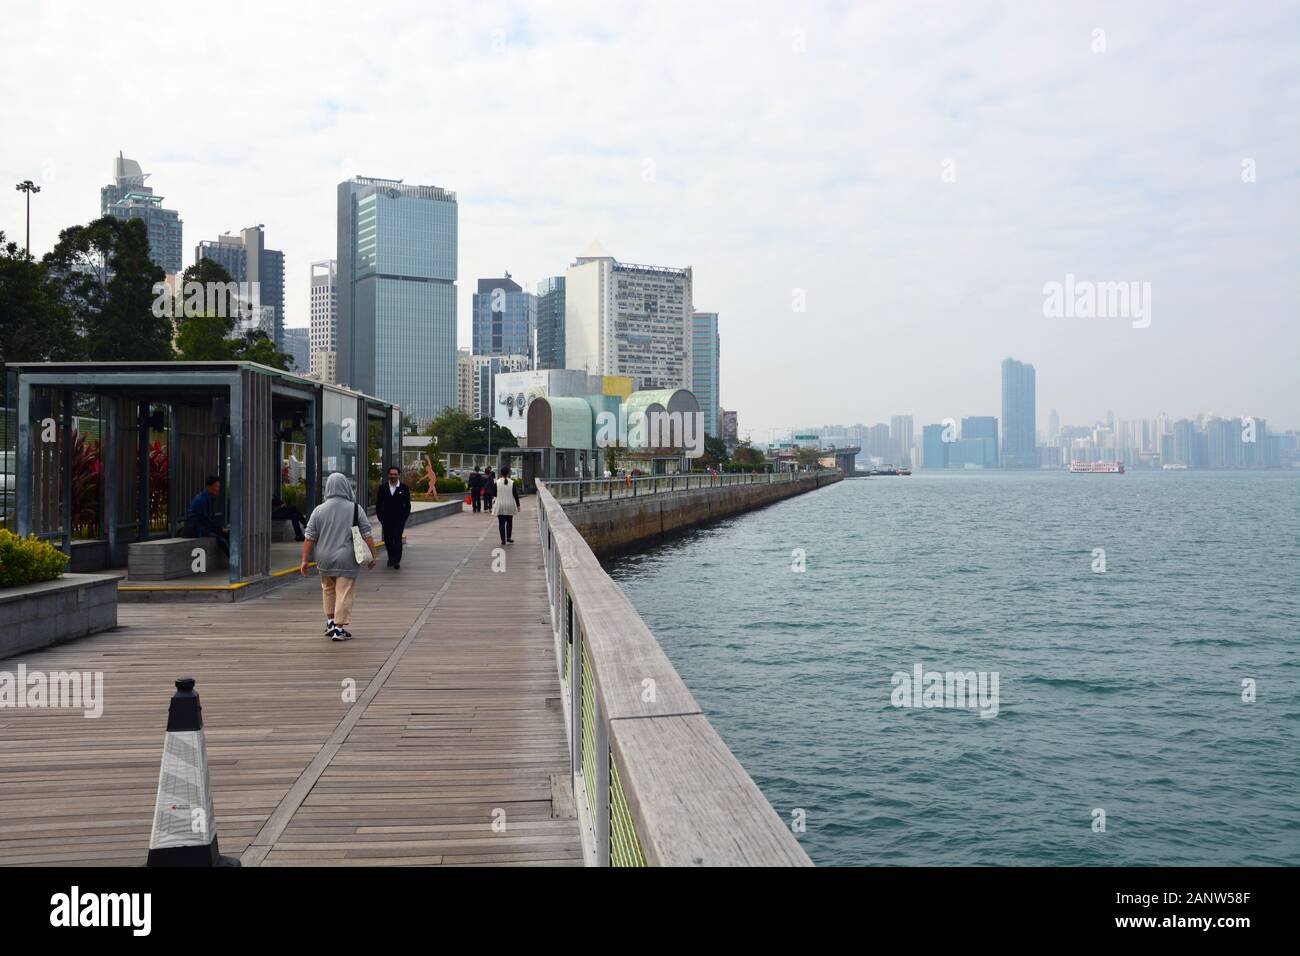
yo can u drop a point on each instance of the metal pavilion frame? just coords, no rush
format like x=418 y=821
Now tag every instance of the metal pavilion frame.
x=249 y=390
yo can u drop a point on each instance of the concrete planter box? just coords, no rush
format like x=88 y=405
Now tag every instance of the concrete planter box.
x=38 y=615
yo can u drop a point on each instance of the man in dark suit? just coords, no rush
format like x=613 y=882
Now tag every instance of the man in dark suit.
x=476 y=489
x=392 y=508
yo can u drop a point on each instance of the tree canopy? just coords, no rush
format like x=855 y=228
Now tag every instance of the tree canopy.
x=214 y=336
x=92 y=298
x=456 y=431
x=107 y=282
x=35 y=323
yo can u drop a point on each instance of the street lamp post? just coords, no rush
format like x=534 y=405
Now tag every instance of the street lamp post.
x=28 y=187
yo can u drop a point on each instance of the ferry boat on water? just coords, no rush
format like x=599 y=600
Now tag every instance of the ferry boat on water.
x=1096 y=468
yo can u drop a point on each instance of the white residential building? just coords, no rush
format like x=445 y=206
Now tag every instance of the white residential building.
x=623 y=319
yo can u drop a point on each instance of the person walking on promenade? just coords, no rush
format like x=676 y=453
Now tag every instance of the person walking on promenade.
x=476 y=489
x=329 y=531
x=489 y=489
x=392 y=508
x=506 y=505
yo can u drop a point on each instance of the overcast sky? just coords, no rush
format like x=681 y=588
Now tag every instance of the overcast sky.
x=916 y=172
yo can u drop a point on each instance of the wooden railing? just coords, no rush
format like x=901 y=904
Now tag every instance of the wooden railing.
x=653 y=782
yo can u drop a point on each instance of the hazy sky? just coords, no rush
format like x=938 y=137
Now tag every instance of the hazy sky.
x=918 y=171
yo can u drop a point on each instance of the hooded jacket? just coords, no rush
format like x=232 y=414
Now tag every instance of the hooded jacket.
x=330 y=527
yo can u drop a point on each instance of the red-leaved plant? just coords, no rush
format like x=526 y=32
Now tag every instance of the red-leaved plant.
x=85 y=486
x=159 y=468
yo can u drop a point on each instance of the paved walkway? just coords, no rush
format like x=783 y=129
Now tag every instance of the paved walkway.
x=402 y=746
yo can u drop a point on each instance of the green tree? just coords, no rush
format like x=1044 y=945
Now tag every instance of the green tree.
x=715 y=453
x=747 y=455
x=456 y=431
x=108 y=283
x=213 y=337
x=473 y=437
x=35 y=323
x=202 y=338
x=257 y=346
x=446 y=427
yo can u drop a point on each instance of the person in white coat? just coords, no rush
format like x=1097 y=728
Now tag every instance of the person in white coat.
x=505 y=505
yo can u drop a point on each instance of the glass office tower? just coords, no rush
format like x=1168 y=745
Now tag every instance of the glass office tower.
x=397 y=293
x=504 y=319
x=550 y=323
x=704 y=367
x=1018 y=417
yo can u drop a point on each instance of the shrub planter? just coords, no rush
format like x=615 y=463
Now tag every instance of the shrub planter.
x=38 y=615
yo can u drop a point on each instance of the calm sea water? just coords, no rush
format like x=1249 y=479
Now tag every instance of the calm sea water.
x=1119 y=691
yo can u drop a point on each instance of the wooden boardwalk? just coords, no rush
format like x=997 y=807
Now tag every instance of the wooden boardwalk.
x=453 y=721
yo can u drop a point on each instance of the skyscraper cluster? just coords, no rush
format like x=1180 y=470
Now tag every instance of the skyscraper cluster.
x=602 y=317
x=383 y=309
x=244 y=255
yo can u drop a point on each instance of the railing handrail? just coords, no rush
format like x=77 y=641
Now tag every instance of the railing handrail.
x=567 y=489
x=654 y=754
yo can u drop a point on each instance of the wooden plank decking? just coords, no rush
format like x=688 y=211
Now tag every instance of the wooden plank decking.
x=454 y=723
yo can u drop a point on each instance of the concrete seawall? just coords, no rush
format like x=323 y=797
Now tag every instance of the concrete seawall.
x=611 y=527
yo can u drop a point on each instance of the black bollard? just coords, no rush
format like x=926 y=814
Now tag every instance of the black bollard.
x=184 y=827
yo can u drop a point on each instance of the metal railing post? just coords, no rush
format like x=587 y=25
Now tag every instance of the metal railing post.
x=601 y=809
x=575 y=698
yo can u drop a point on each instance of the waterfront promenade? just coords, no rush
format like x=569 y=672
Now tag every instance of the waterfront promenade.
x=403 y=746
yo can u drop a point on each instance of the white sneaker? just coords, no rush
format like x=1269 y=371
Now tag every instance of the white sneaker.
x=341 y=634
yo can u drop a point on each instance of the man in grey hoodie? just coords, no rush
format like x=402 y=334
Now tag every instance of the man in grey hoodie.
x=329 y=531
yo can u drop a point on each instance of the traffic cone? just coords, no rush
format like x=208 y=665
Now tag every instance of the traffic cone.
x=184 y=827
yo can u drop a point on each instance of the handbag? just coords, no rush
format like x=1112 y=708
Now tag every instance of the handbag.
x=360 y=550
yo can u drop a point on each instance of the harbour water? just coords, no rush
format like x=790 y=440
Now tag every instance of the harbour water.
x=1120 y=691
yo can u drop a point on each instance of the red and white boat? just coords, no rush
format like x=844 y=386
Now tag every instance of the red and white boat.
x=1096 y=468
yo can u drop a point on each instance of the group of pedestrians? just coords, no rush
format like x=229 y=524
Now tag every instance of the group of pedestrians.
x=340 y=538
x=498 y=495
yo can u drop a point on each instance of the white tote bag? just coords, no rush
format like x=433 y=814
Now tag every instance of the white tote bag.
x=360 y=550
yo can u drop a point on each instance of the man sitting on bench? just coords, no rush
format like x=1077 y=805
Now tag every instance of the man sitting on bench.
x=199 y=522
x=282 y=512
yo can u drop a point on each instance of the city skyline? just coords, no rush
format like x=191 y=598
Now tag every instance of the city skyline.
x=985 y=180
